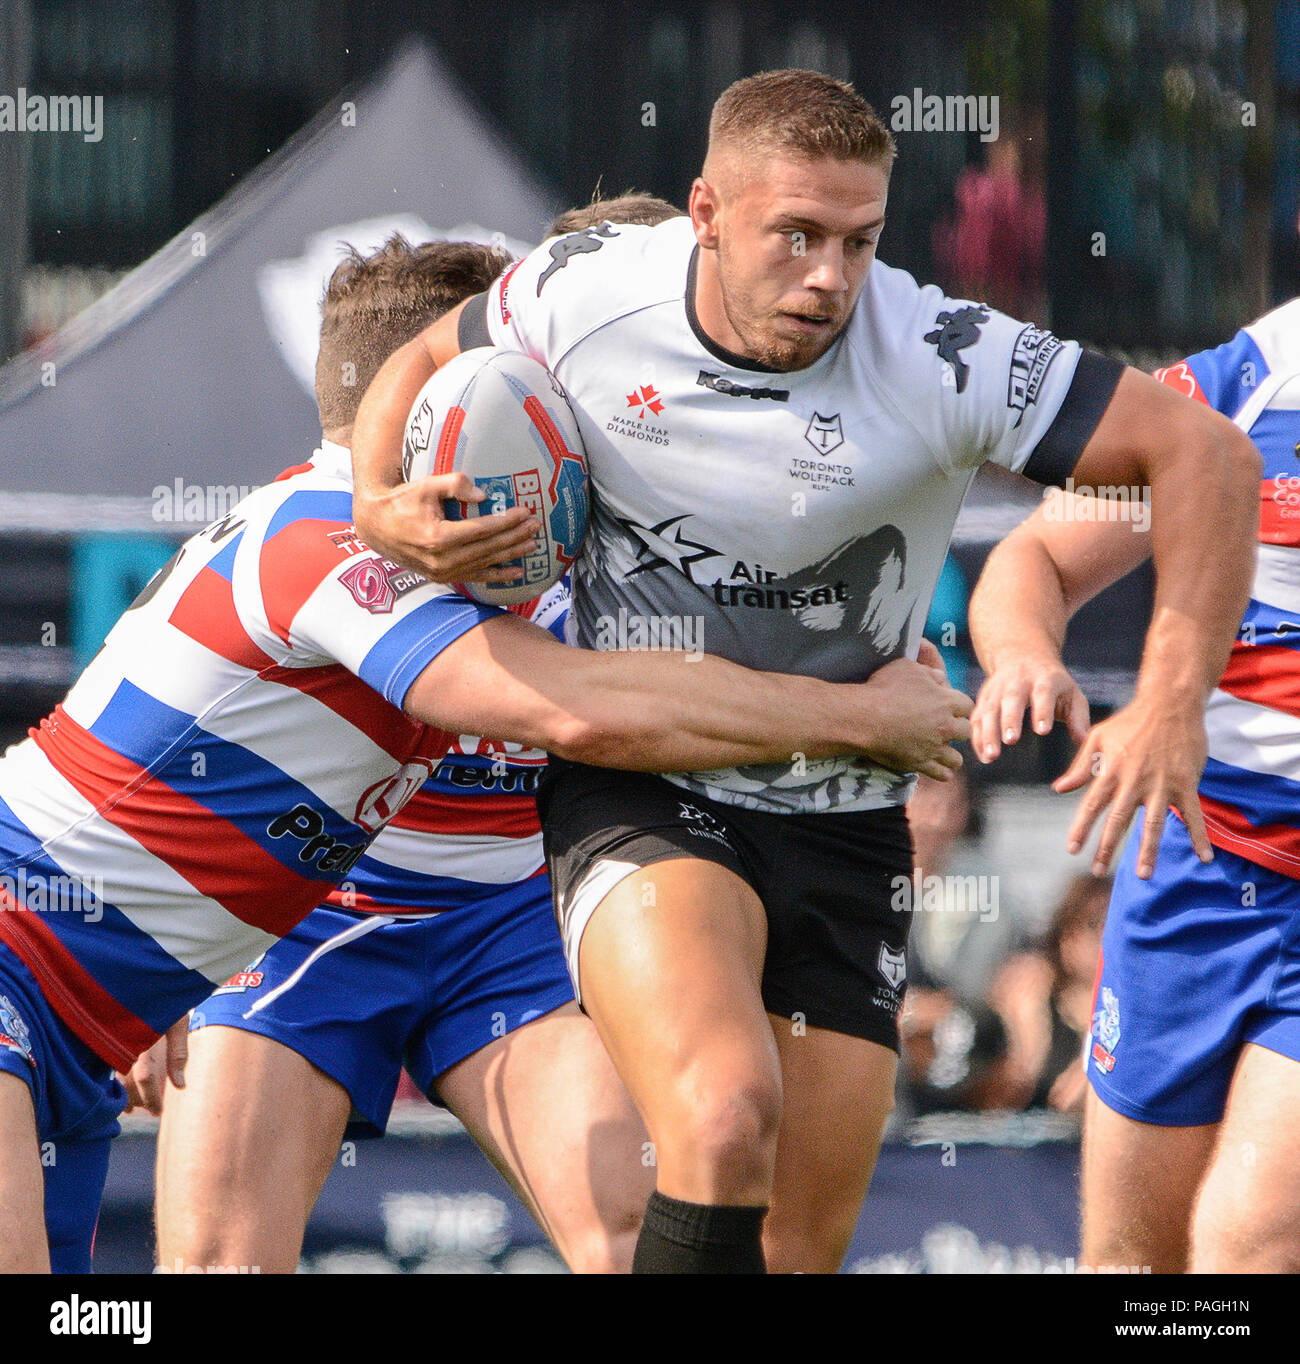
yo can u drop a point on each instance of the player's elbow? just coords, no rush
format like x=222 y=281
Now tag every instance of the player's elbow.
x=1246 y=461
x=1227 y=450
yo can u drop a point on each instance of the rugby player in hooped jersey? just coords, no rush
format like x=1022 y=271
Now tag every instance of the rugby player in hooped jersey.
x=267 y=705
x=440 y=950
x=1190 y=1157
x=779 y=436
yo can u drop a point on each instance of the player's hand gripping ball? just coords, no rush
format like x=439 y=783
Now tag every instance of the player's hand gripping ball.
x=502 y=418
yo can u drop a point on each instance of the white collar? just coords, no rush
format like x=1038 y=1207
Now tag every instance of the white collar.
x=332 y=458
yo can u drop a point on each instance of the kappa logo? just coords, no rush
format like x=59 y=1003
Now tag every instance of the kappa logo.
x=575 y=244
x=824 y=434
x=1105 y=1028
x=719 y=384
x=892 y=965
x=954 y=332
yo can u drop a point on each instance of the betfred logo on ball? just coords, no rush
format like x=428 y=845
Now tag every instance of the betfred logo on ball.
x=501 y=418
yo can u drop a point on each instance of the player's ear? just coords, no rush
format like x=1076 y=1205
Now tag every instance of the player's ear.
x=703 y=207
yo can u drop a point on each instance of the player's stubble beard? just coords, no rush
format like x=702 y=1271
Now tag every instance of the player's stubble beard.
x=761 y=341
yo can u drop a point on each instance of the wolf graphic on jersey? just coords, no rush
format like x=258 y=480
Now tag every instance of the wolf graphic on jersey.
x=859 y=588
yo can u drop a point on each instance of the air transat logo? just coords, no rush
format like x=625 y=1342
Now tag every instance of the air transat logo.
x=664 y=546
x=860 y=587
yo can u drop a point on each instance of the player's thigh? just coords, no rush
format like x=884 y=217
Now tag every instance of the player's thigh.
x=670 y=968
x=1139 y=1187
x=546 y=1105
x=1248 y=1214
x=23 y=1245
x=243 y=1152
x=839 y=1093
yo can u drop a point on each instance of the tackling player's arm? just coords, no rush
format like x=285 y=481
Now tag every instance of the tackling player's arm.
x=406 y=521
x=663 y=712
x=1203 y=474
x=1032 y=583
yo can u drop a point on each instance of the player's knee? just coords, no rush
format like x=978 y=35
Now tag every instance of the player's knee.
x=732 y=1129
x=1244 y=1236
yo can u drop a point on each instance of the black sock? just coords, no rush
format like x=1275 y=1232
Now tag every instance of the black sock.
x=699 y=1238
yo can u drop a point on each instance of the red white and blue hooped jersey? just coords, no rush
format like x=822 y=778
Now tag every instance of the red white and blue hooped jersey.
x=471 y=831
x=223 y=762
x=1250 y=792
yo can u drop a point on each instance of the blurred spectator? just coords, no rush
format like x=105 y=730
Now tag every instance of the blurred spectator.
x=953 y=1045
x=951 y=1054
x=963 y=921
x=1044 y=998
x=991 y=249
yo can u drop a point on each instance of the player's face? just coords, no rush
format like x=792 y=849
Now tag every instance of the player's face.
x=794 y=244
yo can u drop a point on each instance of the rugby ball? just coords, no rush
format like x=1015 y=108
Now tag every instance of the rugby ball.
x=502 y=418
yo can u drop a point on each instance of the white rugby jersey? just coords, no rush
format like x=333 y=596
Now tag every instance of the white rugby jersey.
x=225 y=759
x=792 y=521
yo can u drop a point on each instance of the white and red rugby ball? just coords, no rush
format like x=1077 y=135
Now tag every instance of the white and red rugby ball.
x=502 y=418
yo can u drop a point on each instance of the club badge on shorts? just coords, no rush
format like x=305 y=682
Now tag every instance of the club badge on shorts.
x=1105 y=1029
x=892 y=965
x=14 y=1033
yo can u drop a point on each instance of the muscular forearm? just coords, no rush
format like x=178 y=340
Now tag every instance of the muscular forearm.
x=663 y=713
x=671 y=711
x=381 y=419
x=1018 y=609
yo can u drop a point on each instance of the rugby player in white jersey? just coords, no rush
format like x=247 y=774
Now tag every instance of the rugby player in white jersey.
x=270 y=701
x=779 y=436
x=1191 y=1153
x=474 y=995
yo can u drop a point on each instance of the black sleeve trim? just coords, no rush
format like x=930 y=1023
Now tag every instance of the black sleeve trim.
x=1089 y=395
x=472 y=326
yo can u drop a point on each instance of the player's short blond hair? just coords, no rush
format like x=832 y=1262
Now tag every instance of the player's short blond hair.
x=800 y=113
x=374 y=304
